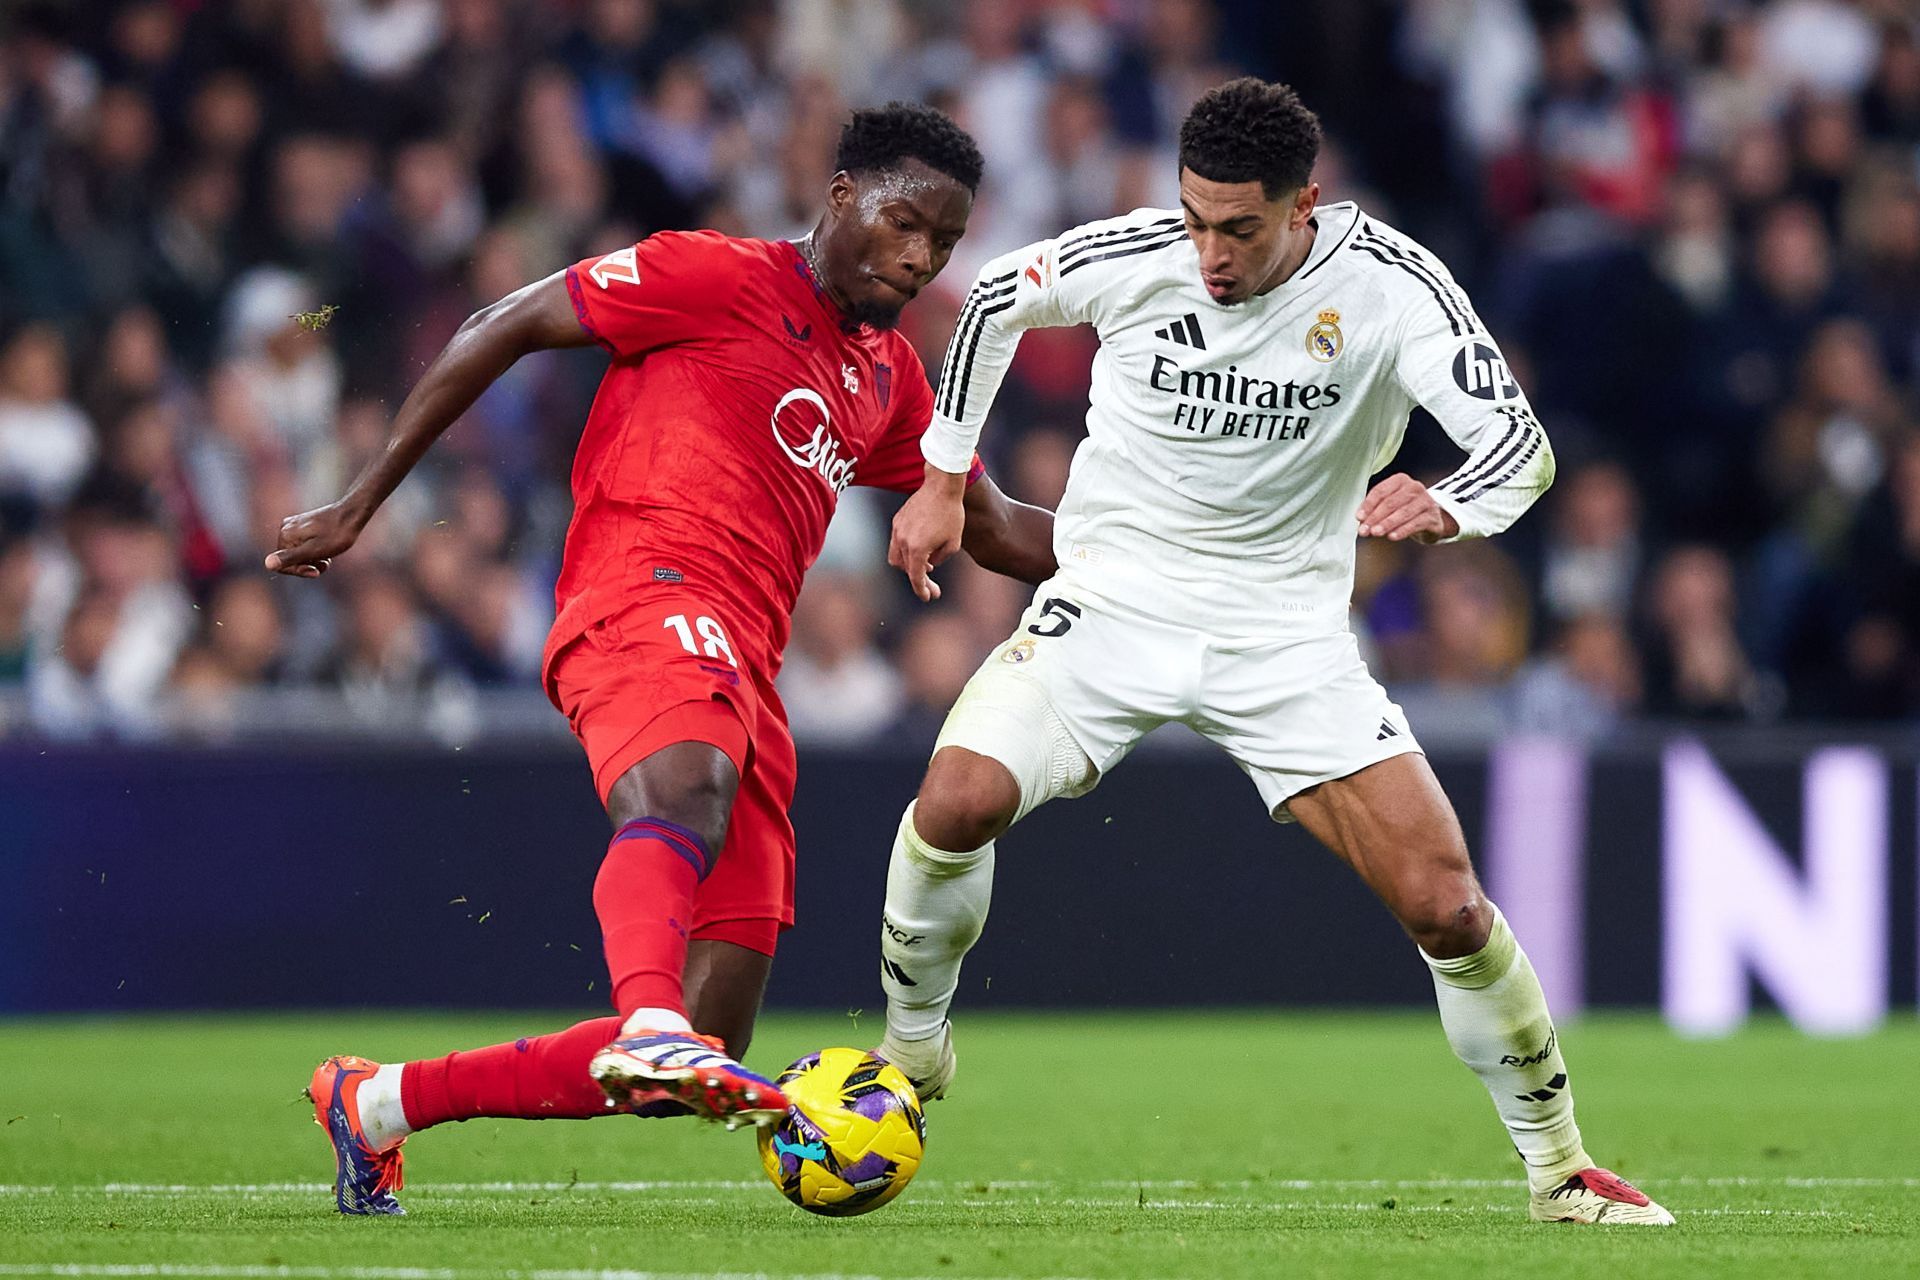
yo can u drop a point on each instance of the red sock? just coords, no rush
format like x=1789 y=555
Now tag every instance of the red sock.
x=644 y=898
x=544 y=1077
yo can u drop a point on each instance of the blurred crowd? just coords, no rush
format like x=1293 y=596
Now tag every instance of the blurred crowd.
x=233 y=231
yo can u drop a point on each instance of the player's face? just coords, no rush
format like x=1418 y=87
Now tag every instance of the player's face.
x=1247 y=242
x=889 y=234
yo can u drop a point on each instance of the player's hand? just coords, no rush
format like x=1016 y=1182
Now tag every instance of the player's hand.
x=927 y=530
x=1400 y=507
x=310 y=541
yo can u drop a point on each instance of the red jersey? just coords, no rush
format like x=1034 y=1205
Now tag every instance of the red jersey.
x=736 y=410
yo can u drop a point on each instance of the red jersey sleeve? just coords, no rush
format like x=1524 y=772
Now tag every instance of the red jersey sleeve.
x=896 y=463
x=669 y=288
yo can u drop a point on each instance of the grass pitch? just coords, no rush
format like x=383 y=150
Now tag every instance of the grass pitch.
x=1243 y=1144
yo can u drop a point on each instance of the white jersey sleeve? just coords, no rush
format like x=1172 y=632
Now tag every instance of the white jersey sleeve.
x=1448 y=364
x=1050 y=284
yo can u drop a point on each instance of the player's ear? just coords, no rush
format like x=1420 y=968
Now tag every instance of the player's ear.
x=1304 y=201
x=842 y=190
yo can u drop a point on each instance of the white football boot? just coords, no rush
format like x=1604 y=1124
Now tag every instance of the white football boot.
x=1595 y=1195
x=928 y=1064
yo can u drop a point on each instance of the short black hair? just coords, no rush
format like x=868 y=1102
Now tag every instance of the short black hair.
x=1248 y=130
x=881 y=137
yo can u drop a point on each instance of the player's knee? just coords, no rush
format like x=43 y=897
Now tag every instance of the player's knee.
x=690 y=785
x=965 y=801
x=1450 y=920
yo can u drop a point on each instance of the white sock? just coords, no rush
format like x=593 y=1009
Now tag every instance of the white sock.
x=382 y=1118
x=1496 y=1019
x=655 y=1020
x=936 y=907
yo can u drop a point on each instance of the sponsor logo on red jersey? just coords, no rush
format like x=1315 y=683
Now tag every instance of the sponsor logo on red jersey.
x=803 y=428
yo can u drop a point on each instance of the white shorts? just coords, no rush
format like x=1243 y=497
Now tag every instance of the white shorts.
x=1081 y=680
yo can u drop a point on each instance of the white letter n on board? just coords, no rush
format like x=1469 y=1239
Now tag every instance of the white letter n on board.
x=1736 y=904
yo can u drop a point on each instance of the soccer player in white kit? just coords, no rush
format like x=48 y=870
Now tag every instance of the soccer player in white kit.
x=1259 y=354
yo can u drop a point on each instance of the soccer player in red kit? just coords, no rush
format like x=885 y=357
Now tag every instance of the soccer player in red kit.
x=750 y=383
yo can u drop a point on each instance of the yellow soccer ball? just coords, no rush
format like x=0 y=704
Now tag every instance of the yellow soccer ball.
x=853 y=1137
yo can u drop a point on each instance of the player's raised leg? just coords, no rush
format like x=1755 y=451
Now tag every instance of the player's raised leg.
x=671 y=810
x=1020 y=735
x=1393 y=824
x=369 y=1109
x=939 y=885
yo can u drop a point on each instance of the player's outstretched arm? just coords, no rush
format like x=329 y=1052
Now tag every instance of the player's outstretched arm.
x=536 y=318
x=1025 y=289
x=1006 y=536
x=1449 y=364
x=931 y=526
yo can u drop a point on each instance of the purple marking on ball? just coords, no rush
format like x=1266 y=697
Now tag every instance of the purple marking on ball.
x=872 y=1165
x=877 y=1105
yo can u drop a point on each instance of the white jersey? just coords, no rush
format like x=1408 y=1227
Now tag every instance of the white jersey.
x=1228 y=447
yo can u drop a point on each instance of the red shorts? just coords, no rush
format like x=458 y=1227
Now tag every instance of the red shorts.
x=664 y=672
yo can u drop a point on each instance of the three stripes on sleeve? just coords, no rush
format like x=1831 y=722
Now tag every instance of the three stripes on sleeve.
x=1524 y=435
x=992 y=295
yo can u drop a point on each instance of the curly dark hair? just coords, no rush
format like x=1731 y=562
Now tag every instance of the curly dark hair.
x=881 y=137
x=1247 y=130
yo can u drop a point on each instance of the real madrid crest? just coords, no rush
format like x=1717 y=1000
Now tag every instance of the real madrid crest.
x=1019 y=652
x=1323 y=340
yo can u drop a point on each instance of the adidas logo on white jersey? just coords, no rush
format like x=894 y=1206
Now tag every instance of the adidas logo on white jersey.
x=1184 y=332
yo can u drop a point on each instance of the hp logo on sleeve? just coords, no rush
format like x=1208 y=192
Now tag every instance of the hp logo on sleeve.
x=1481 y=371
